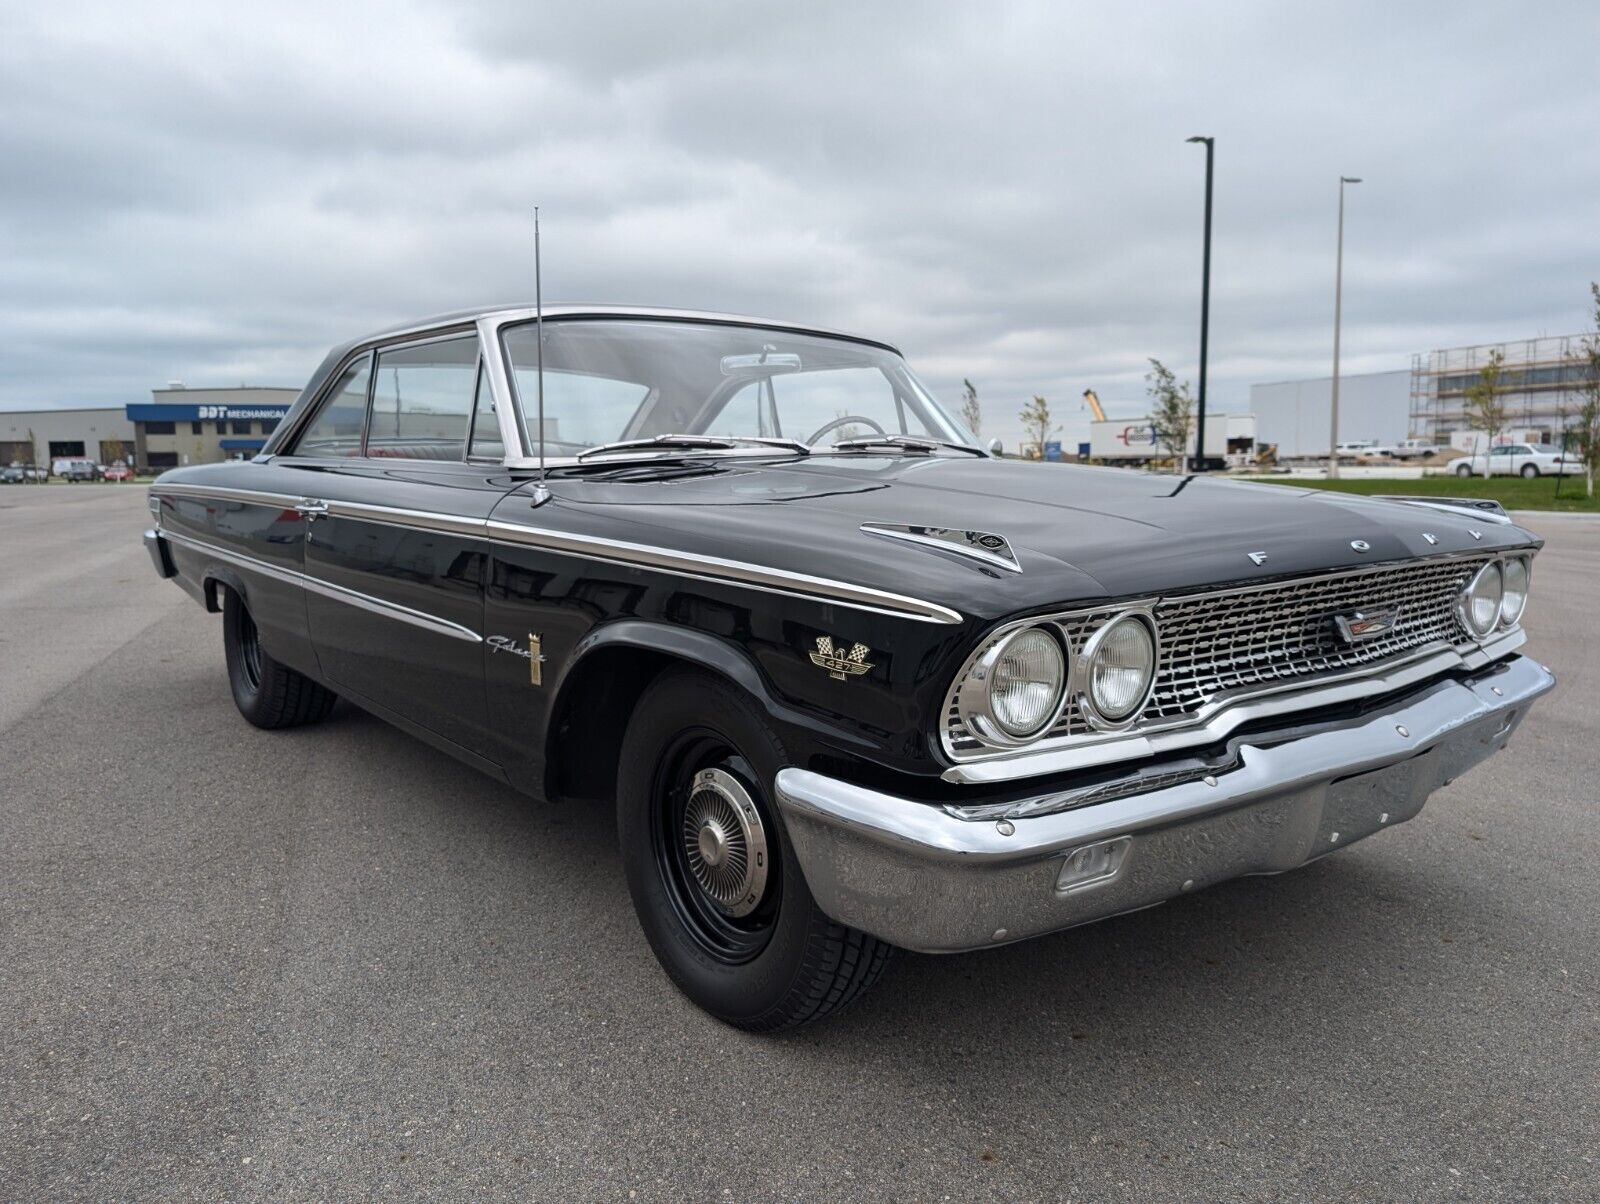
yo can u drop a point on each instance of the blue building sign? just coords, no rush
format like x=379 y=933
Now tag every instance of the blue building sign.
x=151 y=412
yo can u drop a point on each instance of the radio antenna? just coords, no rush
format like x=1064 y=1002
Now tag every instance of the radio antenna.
x=541 y=491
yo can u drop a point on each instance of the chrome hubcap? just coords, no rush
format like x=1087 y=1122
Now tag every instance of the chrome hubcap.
x=725 y=842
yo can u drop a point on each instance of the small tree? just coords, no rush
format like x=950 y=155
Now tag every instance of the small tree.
x=1036 y=422
x=1171 y=412
x=970 y=413
x=1486 y=407
x=1587 y=428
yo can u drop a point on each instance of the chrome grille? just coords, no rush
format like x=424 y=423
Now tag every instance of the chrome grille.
x=1213 y=645
x=1221 y=645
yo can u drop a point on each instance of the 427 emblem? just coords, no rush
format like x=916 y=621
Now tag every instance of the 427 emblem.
x=839 y=663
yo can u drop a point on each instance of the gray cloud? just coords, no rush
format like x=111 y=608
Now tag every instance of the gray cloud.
x=212 y=194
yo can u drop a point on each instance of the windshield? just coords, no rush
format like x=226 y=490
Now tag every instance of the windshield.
x=609 y=380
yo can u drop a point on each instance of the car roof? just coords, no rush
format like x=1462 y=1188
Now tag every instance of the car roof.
x=564 y=310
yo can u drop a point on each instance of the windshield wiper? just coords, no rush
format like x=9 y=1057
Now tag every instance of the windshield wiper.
x=905 y=443
x=693 y=442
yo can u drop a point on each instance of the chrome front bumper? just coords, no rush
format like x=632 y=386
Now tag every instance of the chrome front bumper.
x=922 y=878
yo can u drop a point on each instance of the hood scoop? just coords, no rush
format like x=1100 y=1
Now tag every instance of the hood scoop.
x=983 y=546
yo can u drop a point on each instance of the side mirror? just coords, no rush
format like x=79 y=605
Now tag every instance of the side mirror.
x=997 y=449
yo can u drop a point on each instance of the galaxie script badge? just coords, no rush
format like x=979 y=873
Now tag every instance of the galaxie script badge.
x=1361 y=625
x=851 y=664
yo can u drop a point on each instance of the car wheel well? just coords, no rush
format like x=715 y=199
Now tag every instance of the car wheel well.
x=592 y=712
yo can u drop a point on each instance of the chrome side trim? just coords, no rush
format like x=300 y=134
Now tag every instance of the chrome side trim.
x=399 y=516
x=1005 y=767
x=339 y=593
x=287 y=501
x=984 y=546
x=752 y=576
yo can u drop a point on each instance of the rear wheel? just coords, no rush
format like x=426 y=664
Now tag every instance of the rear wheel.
x=1530 y=470
x=1464 y=470
x=714 y=882
x=268 y=693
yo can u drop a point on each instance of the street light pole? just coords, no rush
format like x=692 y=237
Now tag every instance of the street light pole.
x=1205 y=310
x=1338 y=302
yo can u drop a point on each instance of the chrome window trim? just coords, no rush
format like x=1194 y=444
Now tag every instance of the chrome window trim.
x=489 y=323
x=752 y=576
x=459 y=328
x=492 y=330
x=379 y=606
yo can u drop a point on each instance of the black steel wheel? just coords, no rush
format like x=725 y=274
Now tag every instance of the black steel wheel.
x=718 y=891
x=267 y=692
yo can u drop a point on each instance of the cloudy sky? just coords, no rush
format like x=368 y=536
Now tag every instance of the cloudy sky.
x=215 y=193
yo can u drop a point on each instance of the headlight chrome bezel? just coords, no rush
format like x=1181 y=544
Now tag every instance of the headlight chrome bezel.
x=975 y=701
x=1087 y=703
x=1507 y=622
x=1469 y=593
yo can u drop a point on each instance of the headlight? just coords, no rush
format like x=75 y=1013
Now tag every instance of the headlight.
x=1481 y=600
x=1015 y=692
x=1121 y=666
x=1515 y=573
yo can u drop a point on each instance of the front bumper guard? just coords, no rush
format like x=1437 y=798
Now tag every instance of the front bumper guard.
x=922 y=878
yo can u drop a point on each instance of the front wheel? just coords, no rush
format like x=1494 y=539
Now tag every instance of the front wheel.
x=1529 y=471
x=716 y=886
x=267 y=692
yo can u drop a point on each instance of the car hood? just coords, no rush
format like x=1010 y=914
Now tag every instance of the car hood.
x=1079 y=534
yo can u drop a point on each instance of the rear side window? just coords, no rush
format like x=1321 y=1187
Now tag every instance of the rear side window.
x=422 y=400
x=336 y=431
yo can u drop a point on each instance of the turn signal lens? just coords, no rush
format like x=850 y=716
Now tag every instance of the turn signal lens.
x=1515 y=575
x=1026 y=682
x=1120 y=668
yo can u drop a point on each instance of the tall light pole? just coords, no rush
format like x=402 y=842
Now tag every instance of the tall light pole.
x=1205 y=309
x=1338 y=302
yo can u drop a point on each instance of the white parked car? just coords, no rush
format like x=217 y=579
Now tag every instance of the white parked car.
x=1518 y=459
x=1414 y=449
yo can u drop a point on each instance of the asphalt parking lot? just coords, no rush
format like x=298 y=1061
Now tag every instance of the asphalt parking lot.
x=332 y=963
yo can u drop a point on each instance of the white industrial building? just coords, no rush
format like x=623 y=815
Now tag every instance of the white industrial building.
x=1294 y=414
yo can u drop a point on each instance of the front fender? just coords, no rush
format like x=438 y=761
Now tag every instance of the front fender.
x=710 y=652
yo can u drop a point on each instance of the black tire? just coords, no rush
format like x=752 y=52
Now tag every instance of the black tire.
x=782 y=963
x=1464 y=471
x=1529 y=471
x=269 y=694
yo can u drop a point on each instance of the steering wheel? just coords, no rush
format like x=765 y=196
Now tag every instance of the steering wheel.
x=847 y=420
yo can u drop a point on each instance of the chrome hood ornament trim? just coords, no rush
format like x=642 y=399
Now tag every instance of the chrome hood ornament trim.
x=983 y=546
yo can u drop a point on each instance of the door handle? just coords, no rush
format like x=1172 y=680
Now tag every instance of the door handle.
x=311 y=507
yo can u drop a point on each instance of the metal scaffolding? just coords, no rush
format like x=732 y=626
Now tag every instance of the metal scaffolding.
x=1540 y=381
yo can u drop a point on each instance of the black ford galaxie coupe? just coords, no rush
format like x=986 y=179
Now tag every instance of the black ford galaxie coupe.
x=851 y=682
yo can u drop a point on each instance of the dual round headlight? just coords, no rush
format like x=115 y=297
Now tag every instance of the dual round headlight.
x=1496 y=596
x=1020 y=686
x=1120 y=662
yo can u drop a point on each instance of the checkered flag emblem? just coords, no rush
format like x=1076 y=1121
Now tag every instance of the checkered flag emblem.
x=837 y=662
